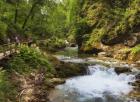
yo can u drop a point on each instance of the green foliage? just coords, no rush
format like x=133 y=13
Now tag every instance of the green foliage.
x=53 y=44
x=29 y=59
x=109 y=18
x=135 y=50
x=17 y=64
x=38 y=19
x=3 y=28
x=7 y=90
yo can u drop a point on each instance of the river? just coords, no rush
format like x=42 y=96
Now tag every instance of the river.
x=99 y=84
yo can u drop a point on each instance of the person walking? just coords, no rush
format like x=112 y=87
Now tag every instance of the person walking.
x=9 y=45
x=17 y=41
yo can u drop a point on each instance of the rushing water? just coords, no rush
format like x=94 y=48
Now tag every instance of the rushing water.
x=101 y=84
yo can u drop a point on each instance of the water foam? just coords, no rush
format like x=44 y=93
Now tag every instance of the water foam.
x=99 y=82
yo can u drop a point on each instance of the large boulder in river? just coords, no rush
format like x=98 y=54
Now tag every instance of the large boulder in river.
x=120 y=70
x=68 y=69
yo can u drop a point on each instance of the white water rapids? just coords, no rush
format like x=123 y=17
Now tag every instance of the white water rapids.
x=101 y=84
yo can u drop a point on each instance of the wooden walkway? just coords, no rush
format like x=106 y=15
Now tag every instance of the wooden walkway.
x=8 y=49
x=3 y=55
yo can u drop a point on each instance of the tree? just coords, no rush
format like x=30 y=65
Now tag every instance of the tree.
x=35 y=3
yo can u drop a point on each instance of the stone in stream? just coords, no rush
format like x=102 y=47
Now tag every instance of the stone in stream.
x=67 y=69
x=73 y=45
x=138 y=76
x=123 y=69
x=137 y=63
x=57 y=81
x=136 y=85
x=137 y=82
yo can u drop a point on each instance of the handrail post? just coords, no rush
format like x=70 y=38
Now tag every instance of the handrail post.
x=13 y=47
x=10 y=49
x=4 y=52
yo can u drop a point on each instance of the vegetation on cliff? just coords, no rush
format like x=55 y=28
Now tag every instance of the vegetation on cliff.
x=106 y=23
x=19 y=69
x=109 y=22
x=111 y=26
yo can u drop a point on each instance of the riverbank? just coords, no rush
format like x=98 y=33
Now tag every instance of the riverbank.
x=96 y=84
x=35 y=83
x=120 y=67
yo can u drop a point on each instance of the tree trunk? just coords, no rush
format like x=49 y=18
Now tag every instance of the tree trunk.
x=29 y=14
x=16 y=12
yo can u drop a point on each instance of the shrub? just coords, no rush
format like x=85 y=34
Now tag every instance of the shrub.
x=135 y=50
x=53 y=44
x=29 y=59
x=7 y=90
x=3 y=28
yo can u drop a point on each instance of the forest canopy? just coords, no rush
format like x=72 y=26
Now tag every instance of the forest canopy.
x=37 y=18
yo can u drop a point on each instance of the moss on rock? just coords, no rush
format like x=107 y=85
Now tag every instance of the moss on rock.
x=135 y=53
x=109 y=21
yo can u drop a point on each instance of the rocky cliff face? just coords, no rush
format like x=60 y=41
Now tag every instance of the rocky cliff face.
x=110 y=23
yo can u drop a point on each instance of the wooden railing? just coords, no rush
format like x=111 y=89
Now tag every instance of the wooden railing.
x=8 y=49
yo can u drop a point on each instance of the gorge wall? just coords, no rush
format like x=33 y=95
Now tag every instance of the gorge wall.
x=110 y=26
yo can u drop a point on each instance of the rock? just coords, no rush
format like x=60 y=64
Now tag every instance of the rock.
x=122 y=54
x=107 y=40
x=73 y=45
x=132 y=40
x=98 y=99
x=138 y=62
x=136 y=84
x=93 y=51
x=56 y=81
x=134 y=57
x=104 y=54
x=67 y=69
x=120 y=70
x=138 y=76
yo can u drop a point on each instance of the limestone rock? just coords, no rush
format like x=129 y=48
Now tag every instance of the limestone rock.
x=120 y=70
x=57 y=81
x=103 y=54
x=132 y=40
x=121 y=54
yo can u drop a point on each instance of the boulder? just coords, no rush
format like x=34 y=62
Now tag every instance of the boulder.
x=92 y=51
x=121 y=54
x=56 y=81
x=137 y=82
x=120 y=70
x=138 y=76
x=110 y=41
x=137 y=64
x=73 y=45
x=67 y=69
x=132 y=40
x=102 y=54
